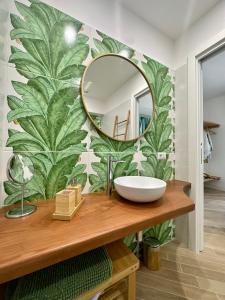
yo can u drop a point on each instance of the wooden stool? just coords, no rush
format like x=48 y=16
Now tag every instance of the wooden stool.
x=125 y=265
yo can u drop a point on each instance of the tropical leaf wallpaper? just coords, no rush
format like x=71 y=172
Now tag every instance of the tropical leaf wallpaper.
x=46 y=117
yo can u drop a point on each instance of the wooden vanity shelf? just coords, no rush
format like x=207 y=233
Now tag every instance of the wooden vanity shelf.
x=37 y=241
x=125 y=265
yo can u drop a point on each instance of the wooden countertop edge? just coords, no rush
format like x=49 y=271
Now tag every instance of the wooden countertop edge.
x=56 y=255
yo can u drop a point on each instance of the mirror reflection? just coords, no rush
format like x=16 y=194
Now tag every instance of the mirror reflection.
x=20 y=169
x=117 y=97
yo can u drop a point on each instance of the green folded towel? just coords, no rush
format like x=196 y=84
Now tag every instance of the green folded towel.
x=65 y=280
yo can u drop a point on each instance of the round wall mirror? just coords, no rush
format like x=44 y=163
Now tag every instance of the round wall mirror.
x=117 y=97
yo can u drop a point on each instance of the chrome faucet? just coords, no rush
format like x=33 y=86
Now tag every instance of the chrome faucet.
x=110 y=161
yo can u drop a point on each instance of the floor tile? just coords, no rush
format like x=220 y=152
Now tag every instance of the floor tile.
x=171 y=265
x=214 y=205
x=174 y=276
x=200 y=261
x=171 y=287
x=186 y=275
x=202 y=272
x=211 y=285
x=146 y=293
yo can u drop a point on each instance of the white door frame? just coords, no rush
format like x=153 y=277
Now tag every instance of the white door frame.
x=195 y=139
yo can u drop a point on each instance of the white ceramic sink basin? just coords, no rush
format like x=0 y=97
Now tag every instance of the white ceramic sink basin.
x=140 y=188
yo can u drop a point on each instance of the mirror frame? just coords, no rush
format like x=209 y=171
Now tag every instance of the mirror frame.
x=85 y=106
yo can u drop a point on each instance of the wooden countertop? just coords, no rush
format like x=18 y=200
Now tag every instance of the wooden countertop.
x=37 y=241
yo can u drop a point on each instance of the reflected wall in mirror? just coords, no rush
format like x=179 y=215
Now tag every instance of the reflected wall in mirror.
x=117 y=97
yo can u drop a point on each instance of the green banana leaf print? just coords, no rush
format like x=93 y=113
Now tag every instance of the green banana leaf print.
x=159 y=137
x=161 y=232
x=50 y=119
x=47 y=107
x=102 y=147
x=131 y=242
x=108 y=45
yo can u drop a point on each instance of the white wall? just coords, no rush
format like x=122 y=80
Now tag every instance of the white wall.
x=196 y=36
x=95 y=105
x=214 y=110
x=4 y=21
x=181 y=144
x=125 y=94
x=130 y=88
x=181 y=124
x=109 y=118
x=204 y=29
x=109 y=17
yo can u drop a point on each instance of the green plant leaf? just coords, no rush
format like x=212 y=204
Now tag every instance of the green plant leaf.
x=161 y=232
x=74 y=149
x=100 y=169
x=165 y=101
x=74 y=56
x=72 y=138
x=79 y=174
x=110 y=45
x=49 y=112
x=58 y=175
x=76 y=118
x=21 y=29
x=165 y=145
x=27 y=64
x=148 y=169
x=17 y=138
x=32 y=99
x=36 y=25
x=58 y=110
x=96 y=184
x=20 y=113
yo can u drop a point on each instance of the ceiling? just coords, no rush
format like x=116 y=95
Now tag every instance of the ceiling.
x=213 y=69
x=172 y=17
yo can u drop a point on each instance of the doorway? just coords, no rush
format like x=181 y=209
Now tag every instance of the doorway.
x=213 y=85
x=143 y=112
x=195 y=138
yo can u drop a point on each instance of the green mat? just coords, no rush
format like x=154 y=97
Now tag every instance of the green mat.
x=65 y=280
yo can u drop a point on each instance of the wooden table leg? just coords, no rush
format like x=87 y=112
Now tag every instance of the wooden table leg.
x=132 y=286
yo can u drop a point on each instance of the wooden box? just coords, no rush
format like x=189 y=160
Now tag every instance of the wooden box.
x=64 y=205
x=67 y=202
x=77 y=190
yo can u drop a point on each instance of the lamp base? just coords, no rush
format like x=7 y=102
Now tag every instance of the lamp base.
x=18 y=212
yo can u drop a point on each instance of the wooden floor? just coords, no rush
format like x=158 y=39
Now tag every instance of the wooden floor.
x=214 y=210
x=185 y=275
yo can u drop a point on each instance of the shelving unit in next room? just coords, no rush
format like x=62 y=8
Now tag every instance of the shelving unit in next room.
x=210 y=126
